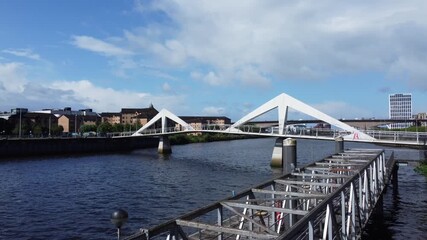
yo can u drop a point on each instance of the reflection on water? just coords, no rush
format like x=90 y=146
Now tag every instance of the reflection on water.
x=73 y=197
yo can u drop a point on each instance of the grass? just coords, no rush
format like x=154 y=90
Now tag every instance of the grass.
x=422 y=168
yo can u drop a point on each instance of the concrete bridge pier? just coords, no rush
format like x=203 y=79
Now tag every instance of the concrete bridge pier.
x=339 y=145
x=164 y=145
x=285 y=154
x=276 y=158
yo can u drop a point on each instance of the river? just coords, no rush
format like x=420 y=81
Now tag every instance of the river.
x=72 y=197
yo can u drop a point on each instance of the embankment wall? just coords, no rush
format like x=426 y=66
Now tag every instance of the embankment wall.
x=59 y=146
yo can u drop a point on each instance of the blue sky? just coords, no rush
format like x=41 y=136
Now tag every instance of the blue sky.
x=212 y=57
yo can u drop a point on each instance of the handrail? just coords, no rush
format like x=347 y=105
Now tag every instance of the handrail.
x=386 y=137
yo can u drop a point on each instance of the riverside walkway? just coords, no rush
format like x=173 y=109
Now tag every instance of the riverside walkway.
x=327 y=199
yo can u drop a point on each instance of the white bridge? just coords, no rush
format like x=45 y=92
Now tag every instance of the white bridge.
x=282 y=103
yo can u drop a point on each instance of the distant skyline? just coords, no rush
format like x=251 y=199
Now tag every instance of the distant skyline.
x=212 y=57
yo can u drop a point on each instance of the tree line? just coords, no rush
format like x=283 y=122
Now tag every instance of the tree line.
x=105 y=127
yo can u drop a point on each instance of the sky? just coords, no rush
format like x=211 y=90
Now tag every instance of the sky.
x=204 y=57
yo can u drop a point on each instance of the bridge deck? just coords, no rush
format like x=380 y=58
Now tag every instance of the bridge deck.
x=328 y=198
x=418 y=139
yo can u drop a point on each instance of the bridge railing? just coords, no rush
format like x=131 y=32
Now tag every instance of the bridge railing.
x=398 y=136
x=344 y=214
x=390 y=136
x=312 y=132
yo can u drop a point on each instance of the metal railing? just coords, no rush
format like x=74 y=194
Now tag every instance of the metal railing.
x=398 y=137
x=244 y=129
x=328 y=199
x=345 y=213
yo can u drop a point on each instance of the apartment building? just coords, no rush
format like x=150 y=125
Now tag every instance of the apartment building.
x=137 y=115
x=111 y=118
x=72 y=123
x=198 y=121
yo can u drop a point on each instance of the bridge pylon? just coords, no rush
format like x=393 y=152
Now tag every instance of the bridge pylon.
x=163 y=116
x=283 y=102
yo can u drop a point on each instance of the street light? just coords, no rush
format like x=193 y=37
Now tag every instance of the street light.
x=50 y=123
x=20 y=117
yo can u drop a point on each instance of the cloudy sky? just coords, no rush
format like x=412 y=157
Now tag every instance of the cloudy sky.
x=208 y=57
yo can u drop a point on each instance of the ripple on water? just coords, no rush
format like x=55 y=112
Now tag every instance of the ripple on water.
x=405 y=215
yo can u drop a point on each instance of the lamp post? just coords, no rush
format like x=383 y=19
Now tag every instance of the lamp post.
x=20 y=119
x=49 y=124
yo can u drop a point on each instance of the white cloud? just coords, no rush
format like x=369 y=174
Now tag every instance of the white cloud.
x=210 y=78
x=213 y=79
x=288 y=40
x=214 y=111
x=16 y=90
x=107 y=99
x=27 y=53
x=171 y=52
x=99 y=46
x=12 y=77
x=250 y=76
x=166 y=87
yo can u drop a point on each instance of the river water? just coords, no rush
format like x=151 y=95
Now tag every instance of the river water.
x=73 y=197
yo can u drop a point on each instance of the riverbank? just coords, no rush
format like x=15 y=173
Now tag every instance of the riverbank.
x=181 y=139
x=422 y=168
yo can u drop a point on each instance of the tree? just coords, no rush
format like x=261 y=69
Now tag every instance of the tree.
x=118 y=127
x=88 y=128
x=25 y=128
x=105 y=127
x=56 y=130
x=37 y=130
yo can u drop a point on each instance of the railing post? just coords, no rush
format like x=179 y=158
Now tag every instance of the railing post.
x=220 y=218
x=310 y=230
x=273 y=204
x=343 y=216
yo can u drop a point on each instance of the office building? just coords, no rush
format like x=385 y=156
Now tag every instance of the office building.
x=400 y=107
